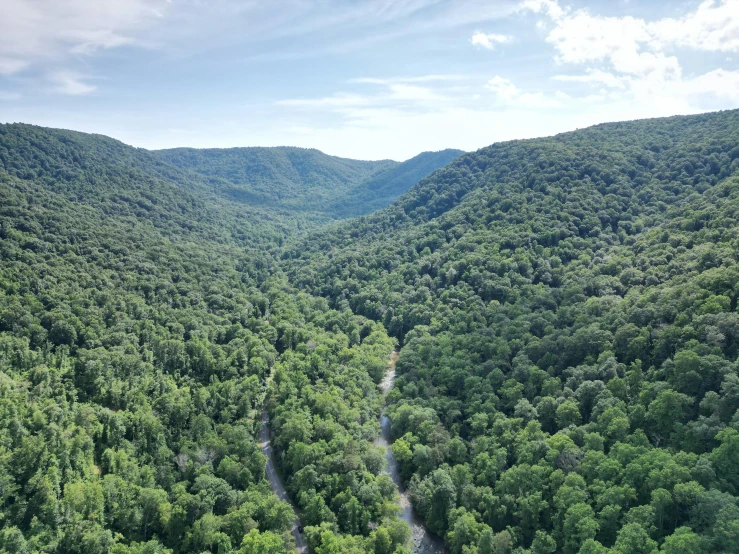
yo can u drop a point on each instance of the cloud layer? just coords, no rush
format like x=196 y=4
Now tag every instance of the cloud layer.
x=639 y=56
x=31 y=32
x=611 y=67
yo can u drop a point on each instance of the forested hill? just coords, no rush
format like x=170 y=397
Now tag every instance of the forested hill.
x=648 y=162
x=132 y=184
x=568 y=380
x=141 y=318
x=303 y=180
x=382 y=189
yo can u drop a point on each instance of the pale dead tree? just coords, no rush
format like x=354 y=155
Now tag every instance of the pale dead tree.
x=205 y=456
x=181 y=461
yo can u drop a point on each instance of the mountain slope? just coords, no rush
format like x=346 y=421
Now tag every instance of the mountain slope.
x=383 y=188
x=141 y=317
x=568 y=313
x=299 y=180
x=568 y=379
x=128 y=182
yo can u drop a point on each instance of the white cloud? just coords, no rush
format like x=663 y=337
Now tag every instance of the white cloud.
x=370 y=81
x=714 y=26
x=548 y=7
x=582 y=37
x=393 y=94
x=414 y=93
x=636 y=52
x=54 y=29
x=596 y=77
x=70 y=83
x=414 y=79
x=720 y=82
x=488 y=40
x=503 y=88
x=509 y=94
x=337 y=101
x=399 y=134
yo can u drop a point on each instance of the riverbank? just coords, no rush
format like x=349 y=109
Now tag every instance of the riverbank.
x=301 y=545
x=422 y=540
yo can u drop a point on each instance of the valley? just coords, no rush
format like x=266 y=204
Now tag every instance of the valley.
x=305 y=183
x=194 y=346
x=301 y=547
x=421 y=541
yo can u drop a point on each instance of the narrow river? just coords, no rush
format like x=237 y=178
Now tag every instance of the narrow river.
x=301 y=546
x=422 y=540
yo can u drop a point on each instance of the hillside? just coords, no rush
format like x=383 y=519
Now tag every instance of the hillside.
x=131 y=183
x=567 y=306
x=141 y=318
x=305 y=181
x=299 y=178
x=383 y=188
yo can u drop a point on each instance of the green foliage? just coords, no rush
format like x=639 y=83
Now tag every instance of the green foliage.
x=138 y=331
x=325 y=410
x=567 y=309
x=381 y=189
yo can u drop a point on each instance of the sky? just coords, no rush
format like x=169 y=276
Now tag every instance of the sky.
x=365 y=79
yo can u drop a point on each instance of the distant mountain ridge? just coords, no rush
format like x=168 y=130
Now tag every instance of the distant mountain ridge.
x=124 y=181
x=286 y=189
x=305 y=180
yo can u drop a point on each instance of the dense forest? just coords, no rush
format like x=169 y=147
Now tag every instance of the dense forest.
x=141 y=319
x=566 y=309
x=568 y=313
x=380 y=190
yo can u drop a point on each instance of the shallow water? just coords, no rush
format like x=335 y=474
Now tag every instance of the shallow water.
x=422 y=540
x=301 y=545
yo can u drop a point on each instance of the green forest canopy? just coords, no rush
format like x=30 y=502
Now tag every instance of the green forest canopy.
x=568 y=313
x=568 y=380
x=140 y=318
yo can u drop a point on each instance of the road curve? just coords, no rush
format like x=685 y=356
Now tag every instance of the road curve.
x=422 y=541
x=278 y=487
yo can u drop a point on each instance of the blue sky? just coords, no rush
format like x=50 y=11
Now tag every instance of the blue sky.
x=360 y=78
